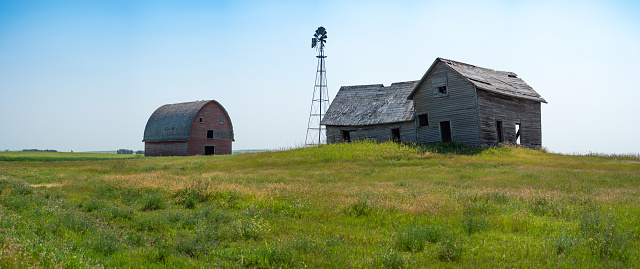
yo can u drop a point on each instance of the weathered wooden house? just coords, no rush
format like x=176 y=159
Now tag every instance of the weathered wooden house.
x=371 y=112
x=460 y=102
x=192 y=128
x=453 y=101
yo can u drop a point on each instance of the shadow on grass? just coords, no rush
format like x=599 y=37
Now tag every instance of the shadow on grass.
x=449 y=148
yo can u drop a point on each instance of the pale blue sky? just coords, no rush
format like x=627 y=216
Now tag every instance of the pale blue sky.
x=86 y=75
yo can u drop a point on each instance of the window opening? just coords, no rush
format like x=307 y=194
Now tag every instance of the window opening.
x=518 y=133
x=395 y=135
x=201 y=120
x=445 y=131
x=210 y=134
x=442 y=89
x=209 y=150
x=221 y=121
x=499 y=131
x=423 y=120
x=346 y=136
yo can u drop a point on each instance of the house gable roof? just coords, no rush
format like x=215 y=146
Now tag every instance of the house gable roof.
x=172 y=122
x=499 y=82
x=371 y=104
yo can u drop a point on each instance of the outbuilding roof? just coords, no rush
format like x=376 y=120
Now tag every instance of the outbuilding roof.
x=172 y=122
x=500 y=82
x=371 y=104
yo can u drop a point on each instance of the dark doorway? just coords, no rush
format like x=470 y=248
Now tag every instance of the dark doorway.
x=395 y=135
x=499 y=131
x=346 y=136
x=209 y=150
x=518 y=133
x=445 y=131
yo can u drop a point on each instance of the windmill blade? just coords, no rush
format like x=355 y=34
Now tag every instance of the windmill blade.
x=319 y=37
x=321 y=31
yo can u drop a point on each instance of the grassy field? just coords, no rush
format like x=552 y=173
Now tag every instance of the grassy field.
x=359 y=205
x=27 y=156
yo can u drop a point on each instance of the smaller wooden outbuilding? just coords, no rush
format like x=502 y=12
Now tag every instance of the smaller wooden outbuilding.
x=371 y=112
x=192 y=128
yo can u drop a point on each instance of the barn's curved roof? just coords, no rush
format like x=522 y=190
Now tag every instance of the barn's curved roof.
x=172 y=122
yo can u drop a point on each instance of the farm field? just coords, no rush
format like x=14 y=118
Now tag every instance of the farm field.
x=358 y=205
x=26 y=156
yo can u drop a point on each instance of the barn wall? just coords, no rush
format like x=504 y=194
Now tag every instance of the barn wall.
x=458 y=107
x=493 y=107
x=165 y=148
x=211 y=113
x=380 y=133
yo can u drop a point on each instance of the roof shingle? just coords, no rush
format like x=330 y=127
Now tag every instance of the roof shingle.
x=172 y=122
x=500 y=82
x=371 y=104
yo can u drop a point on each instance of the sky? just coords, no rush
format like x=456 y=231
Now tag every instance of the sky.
x=86 y=75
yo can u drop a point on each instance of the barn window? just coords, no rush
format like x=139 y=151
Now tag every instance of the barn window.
x=423 y=120
x=442 y=90
x=221 y=121
x=210 y=134
x=201 y=120
x=518 y=133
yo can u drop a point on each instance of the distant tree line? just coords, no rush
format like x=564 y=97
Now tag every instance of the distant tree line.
x=40 y=150
x=125 y=151
x=129 y=151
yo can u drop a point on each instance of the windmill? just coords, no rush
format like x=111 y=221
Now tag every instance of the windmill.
x=316 y=133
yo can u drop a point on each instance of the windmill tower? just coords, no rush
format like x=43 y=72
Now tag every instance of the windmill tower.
x=316 y=133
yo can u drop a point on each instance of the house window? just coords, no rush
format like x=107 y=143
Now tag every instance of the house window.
x=221 y=121
x=442 y=90
x=395 y=135
x=346 y=136
x=423 y=120
x=210 y=134
x=201 y=120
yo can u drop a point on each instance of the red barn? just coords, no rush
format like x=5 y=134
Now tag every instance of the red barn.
x=185 y=129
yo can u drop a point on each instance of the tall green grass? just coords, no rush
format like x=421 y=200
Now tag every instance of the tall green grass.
x=358 y=205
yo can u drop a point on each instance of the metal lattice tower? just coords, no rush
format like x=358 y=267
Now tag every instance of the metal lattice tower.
x=316 y=133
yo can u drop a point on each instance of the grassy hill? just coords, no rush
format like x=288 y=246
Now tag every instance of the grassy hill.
x=359 y=205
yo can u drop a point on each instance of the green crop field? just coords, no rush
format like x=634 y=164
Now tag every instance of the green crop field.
x=29 y=156
x=358 y=205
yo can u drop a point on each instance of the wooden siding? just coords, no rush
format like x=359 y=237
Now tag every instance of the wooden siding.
x=380 y=133
x=177 y=148
x=493 y=107
x=459 y=107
